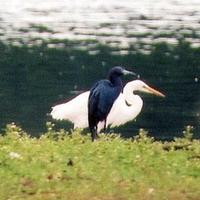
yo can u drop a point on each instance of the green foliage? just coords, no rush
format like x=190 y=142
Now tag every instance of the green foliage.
x=14 y=132
x=62 y=165
x=143 y=137
x=188 y=132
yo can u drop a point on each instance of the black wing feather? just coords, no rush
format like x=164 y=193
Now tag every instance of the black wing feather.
x=101 y=98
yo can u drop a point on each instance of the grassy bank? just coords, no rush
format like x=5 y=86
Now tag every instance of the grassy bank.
x=69 y=166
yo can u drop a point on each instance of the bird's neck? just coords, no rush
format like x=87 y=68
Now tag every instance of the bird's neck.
x=116 y=81
x=133 y=100
x=129 y=95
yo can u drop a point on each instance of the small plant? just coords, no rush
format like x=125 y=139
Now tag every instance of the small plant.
x=184 y=143
x=143 y=136
x=52 y=133
x=188 y=132
x=14 y=132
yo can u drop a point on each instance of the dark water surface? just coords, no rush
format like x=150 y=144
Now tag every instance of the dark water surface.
x=35 y=78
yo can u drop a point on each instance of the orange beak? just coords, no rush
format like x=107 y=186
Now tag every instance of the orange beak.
x=154 y=91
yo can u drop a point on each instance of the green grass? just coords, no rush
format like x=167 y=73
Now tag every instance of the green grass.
x=59 y=165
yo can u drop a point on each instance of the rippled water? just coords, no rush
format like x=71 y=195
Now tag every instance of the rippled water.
x=113 y=21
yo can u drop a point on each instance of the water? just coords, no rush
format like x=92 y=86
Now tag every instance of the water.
x=52 y=50
x=112 y=21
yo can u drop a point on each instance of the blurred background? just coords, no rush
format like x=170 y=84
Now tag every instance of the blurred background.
x=50 y=51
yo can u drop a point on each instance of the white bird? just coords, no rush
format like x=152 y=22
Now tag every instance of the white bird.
x=126 y=107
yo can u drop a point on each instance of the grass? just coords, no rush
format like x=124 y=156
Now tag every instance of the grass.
x=59 y=165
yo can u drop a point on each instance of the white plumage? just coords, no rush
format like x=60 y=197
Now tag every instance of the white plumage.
x=126 y=107
x=75 y=111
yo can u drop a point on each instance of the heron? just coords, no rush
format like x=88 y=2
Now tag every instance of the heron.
x=102 y=96
x=128 y=105
x=126 y=108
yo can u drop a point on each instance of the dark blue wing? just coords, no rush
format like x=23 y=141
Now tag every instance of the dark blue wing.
x=101 y=98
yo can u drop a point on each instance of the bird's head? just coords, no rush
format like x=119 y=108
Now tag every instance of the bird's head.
x=119 y=71
x=138 y=85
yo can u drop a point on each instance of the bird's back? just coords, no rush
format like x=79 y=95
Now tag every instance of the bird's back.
x=74 y=110
x=101 y=98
